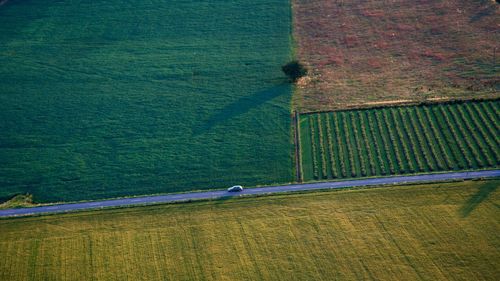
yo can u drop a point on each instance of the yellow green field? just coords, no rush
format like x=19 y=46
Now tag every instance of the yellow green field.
x=429 y=232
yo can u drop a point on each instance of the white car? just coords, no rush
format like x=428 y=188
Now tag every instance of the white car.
x=236 y=188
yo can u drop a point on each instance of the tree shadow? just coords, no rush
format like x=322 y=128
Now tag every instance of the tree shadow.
x=241 y=106
x=225 y=199
x=482 y=194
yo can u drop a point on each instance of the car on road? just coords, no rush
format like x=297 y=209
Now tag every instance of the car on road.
x=236 y=188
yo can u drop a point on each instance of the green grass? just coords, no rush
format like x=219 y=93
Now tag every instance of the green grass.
x=18 y=201
x=400 y=140
x=104 y=99
x=424 y=232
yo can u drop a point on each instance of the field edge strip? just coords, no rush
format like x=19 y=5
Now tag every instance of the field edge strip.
x=150 y=200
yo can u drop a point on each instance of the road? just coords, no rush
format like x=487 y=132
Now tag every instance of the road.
x=249 y=191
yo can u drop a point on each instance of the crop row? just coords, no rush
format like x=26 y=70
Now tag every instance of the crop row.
x=330 y=140
x=313 y=148
x=403 y=140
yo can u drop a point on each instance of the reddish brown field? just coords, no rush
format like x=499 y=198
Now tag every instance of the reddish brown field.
x=363 y=53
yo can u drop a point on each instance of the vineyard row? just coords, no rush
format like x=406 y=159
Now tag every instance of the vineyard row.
x=400 y=140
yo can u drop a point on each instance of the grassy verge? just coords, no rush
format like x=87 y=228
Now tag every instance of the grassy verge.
x=18 y=201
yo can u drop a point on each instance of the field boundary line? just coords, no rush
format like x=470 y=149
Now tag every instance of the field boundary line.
x=406 y=104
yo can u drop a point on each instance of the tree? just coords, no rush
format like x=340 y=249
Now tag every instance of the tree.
x=294 y=70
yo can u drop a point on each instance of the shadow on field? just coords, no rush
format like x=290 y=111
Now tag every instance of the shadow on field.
x=482 y=194
x=242 y=106
x=224 y=199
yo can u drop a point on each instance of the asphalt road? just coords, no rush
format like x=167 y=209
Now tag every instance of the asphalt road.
x=250 y=191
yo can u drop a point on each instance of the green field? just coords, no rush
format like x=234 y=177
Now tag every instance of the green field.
x=400 y=140
x=110 y=98
x=427 y=232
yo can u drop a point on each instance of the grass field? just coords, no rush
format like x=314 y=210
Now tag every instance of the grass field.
x=432 y=232
x=110 y=98
x=400 y=140
x=362 y=53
